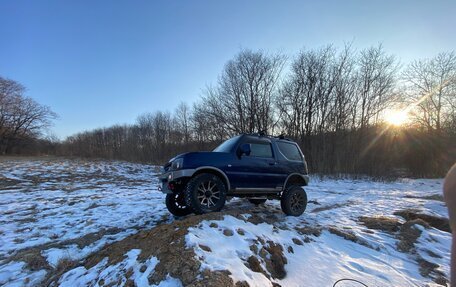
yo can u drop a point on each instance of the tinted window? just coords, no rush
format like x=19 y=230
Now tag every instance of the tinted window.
x=289 y=150
x=260 y=150
x=227 y=145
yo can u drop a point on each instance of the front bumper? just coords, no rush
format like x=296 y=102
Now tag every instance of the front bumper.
x=170 y=176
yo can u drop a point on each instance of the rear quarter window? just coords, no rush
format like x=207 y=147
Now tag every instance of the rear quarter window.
x=290 y=151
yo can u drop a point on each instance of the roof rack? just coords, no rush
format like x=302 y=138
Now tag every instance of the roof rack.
x=263 y=133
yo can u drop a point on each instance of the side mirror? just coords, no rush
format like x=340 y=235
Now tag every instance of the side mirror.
x=245 y=149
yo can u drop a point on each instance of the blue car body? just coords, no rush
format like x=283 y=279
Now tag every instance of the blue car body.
x=249 y=165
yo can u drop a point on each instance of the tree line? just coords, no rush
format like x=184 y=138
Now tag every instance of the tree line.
x=332 y=101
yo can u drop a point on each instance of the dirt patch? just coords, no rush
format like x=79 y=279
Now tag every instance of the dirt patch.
x=382 y=223
x=440 y=223
x=437 y=197
x=33 y=258
x=8 y=183
x=216 y=279
x=297 y=241
x=240 y=231
x=254 y=264
x=329 y=207
x=409 y=234
x=309 y=230
x=205 y=248
x=167 y=243
x=62 y=266
x=272 y=255
x=429 y=269
x=257 y=218
x=26 y=220
x=92 y=206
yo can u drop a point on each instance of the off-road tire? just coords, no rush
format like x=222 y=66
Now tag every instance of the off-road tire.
x=175 y=203
x=200 y=196
x=293 y=201
x=257 y=201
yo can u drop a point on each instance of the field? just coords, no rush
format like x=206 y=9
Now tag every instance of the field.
x=73 y=222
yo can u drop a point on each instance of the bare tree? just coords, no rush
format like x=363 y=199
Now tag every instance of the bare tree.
x=431 y=87
x=20 y=117
x=377 y=77
x=243 y=99
x=182 y=117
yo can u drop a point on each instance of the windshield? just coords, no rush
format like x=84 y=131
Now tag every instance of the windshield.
x=227 y=145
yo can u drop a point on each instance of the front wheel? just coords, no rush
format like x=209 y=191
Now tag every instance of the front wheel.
x=175 y=203
x=205 y=193
x=294 y=201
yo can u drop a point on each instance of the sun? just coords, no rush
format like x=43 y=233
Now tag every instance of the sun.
x=396 y=117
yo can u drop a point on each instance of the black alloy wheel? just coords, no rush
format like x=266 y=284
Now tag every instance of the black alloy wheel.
x=205 y=193
x=294 y=201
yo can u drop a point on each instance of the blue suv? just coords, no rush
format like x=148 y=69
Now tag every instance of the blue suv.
x=253 y=166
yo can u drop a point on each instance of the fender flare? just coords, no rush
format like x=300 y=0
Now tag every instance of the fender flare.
x=228 y=188
x=304 y=177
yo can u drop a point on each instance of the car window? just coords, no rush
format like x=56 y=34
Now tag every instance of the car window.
x=227 y=145
x=261 y=150
x=289 y=150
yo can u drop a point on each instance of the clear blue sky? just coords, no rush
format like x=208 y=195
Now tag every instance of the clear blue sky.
x=98 y=63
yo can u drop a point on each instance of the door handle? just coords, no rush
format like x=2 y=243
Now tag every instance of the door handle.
x=272 y=163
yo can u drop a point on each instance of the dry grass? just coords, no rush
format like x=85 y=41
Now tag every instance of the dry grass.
x=272 y=254
x=64 y=264
x=429 y=269
x=330 y=207
x=409 y=234
x=382 y=223
x=440 y=223
x=33 y=258
x=437 y=197
x=26 y=220
x=309 y=230
x=92 y=206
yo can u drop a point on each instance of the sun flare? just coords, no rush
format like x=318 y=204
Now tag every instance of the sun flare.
x=396 y=117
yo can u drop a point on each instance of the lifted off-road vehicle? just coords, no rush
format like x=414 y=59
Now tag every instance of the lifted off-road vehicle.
x=253 y=166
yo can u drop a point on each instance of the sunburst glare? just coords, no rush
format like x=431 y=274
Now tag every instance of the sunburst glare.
x=396 y=117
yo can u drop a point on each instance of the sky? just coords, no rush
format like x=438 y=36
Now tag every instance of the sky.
x=99 y=63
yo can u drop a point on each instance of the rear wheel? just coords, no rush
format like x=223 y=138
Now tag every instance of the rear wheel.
x=294 y=201
x=175 y=203
x=205 y=193
x=257 y=201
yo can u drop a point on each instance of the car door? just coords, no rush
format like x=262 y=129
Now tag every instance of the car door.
x=255 y=170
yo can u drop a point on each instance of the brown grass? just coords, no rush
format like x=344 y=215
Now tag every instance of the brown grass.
x=382 y=223
x=272 y=254
x=429 y=269
x=437 y=197
x=409 y=234
x=440 y=223
x=309 y=230
x=330 y=207
x=33 y=258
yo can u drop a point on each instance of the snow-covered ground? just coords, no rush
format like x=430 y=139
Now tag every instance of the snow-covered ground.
x=54 y=203
x=373 y=259
x=58 y=210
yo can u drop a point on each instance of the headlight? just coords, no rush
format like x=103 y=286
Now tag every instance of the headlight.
x=177 y=164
